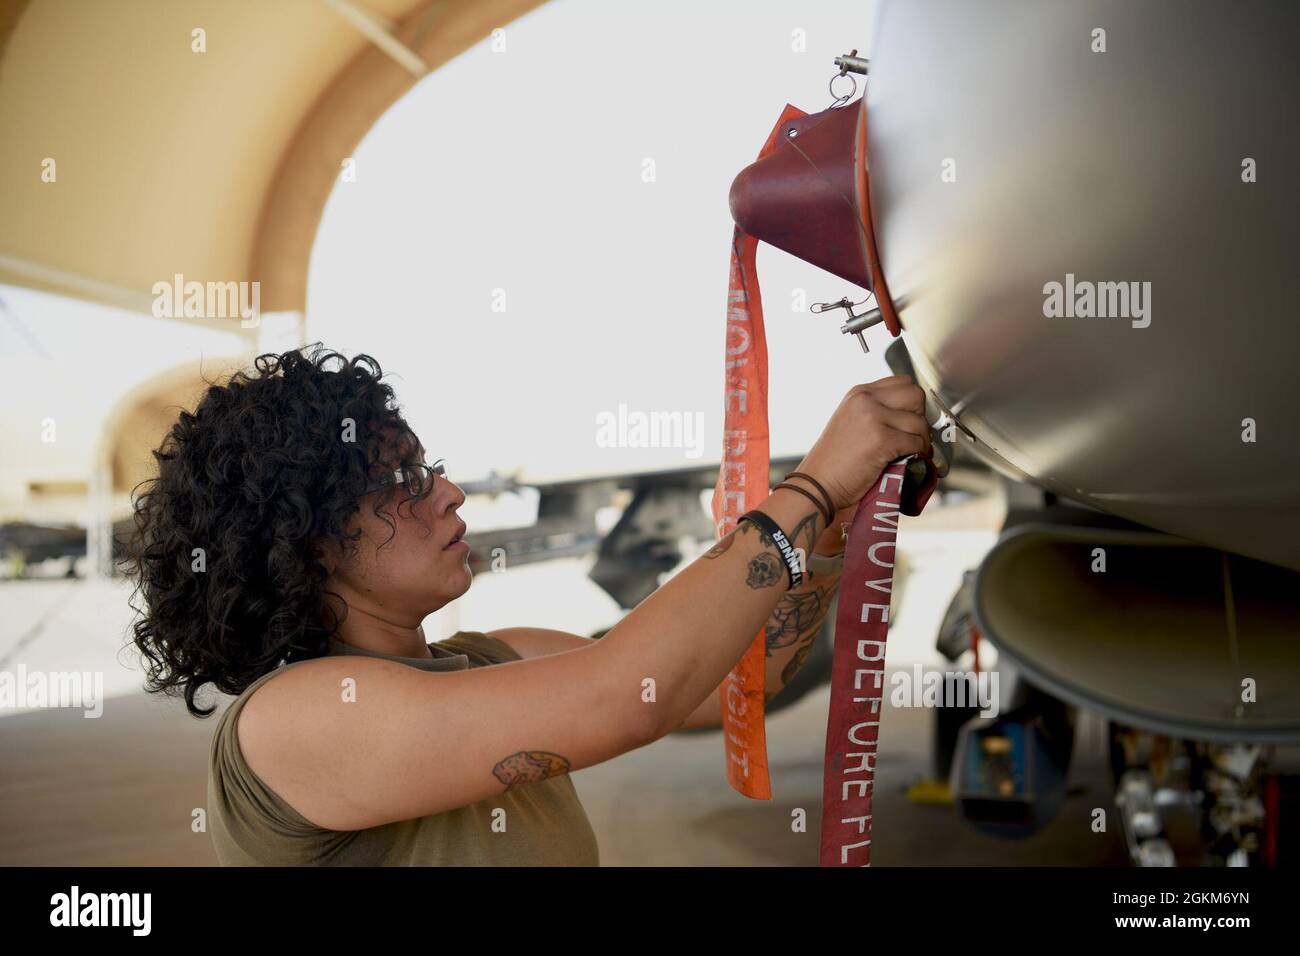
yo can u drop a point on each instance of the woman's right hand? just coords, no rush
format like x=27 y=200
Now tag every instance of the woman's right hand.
x=874 y=424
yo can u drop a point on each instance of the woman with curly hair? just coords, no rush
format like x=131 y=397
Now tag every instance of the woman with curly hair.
x=292 y=544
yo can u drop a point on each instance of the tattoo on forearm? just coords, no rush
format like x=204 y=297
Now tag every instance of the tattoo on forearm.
x=765 y=570
x=805 y=533
x=795 y=663
x=797 y=621
x=721 y=547
x=799 y=613
x=529 y=766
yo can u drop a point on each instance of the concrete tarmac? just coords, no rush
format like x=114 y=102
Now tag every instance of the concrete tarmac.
x=124 y=790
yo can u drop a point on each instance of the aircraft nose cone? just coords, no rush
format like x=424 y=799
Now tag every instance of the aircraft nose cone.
x=802 y=197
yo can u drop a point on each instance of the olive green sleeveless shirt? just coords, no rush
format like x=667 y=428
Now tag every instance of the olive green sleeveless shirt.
x=544 y=823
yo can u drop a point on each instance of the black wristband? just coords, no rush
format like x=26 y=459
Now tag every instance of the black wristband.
x=765 y=524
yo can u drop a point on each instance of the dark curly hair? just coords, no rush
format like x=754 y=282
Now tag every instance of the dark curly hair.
x=266 y=470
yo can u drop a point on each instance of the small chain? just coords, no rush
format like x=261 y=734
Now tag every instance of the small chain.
x=817 y=308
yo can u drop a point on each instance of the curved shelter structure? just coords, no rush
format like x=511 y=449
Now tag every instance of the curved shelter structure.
x=199 y=138
x=158 y=144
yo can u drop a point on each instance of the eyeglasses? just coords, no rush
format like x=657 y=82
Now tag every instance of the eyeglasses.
x=399 y=476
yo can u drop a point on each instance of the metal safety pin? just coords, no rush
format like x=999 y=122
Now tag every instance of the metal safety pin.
x=848 y=63
x=858 y=321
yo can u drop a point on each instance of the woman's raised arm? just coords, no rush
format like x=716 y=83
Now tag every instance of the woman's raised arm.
x=408 y=743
